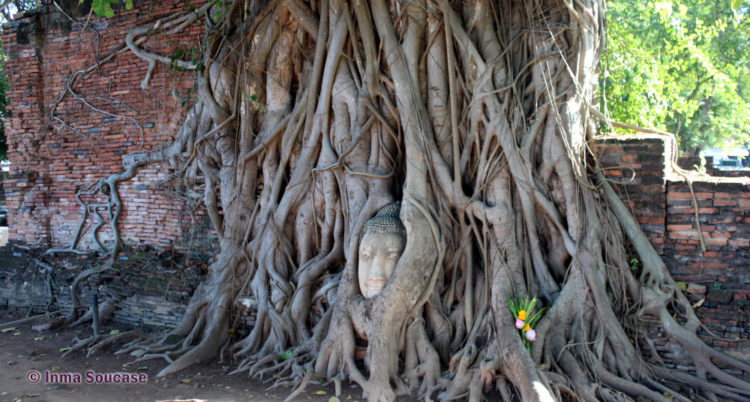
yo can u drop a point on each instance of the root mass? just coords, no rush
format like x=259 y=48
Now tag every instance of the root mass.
x=475 y=115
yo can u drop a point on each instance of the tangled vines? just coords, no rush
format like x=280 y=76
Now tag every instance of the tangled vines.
x=476 y=115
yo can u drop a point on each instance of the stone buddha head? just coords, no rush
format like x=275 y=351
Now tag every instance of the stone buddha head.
x=382 y=242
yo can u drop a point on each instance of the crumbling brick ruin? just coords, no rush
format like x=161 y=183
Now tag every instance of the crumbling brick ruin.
x=59 y=145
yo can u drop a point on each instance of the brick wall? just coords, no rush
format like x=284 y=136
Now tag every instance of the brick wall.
x=662 y=201
x=151 y=291
x=54 y=154
x=636 y=168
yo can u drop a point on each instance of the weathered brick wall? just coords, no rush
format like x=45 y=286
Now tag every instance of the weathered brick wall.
x=150 y=290
x=662 y=201
x=689 y=162
x=636 y=168
x=724 y=268
x=57 y=147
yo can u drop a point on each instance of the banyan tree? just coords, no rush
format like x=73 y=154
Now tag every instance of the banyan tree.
x=394 y=182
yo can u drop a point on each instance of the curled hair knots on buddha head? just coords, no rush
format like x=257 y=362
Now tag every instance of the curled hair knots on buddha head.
x=386 y=221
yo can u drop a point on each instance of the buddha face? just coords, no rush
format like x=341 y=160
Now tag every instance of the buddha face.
x=378 y=255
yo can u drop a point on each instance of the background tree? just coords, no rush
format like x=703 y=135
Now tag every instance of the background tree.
x=681 y=67
x=8 y=8
x=476 y=115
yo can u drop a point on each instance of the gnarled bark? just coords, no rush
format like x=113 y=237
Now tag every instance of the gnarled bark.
x=475 y=115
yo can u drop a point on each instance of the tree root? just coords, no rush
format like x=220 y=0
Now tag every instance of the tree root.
x=105 y=313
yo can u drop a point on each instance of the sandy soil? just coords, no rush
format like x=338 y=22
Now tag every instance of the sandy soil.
x=24 y=350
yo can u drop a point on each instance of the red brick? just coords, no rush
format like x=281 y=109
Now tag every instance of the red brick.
x=680 y=227
x=740 y=243
x=725 y=203
x=684 y=234
x=64 y=172
x=709 y=265
x=715 y=242
x=721 y=235
x=675 y=195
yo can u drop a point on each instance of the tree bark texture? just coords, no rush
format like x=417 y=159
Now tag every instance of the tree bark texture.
x=476 y=115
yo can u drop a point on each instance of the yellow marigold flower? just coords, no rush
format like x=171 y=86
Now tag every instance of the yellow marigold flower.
x=526 y=328
x=522 y=315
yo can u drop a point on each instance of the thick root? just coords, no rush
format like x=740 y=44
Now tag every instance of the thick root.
x=106 y=310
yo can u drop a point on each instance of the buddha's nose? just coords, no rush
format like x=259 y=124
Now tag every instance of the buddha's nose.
x=377 y=272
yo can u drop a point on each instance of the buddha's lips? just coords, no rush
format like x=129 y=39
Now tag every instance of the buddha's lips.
x=375 y=286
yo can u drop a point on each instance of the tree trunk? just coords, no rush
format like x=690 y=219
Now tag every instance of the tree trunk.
x=312 y=115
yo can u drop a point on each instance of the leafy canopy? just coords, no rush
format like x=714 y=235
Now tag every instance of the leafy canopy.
x=680 y=66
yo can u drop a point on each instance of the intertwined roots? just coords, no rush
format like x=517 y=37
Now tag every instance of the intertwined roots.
x=312 y=115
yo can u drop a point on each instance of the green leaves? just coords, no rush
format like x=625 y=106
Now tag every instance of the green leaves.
x=288 y=353
x=526 y=318
x=103 y=8
x=680 y=67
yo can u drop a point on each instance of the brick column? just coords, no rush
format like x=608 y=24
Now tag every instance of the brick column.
x=637 y=168
x=27 y=189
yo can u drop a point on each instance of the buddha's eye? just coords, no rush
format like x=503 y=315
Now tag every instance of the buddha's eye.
x=364 y=255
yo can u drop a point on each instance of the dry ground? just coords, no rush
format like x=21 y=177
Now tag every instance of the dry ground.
x=24 y=349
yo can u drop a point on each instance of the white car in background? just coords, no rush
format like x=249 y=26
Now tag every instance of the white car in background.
x=728 y=159
x=729 y=164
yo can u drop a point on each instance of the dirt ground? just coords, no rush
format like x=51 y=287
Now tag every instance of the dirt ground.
x=24 y=350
